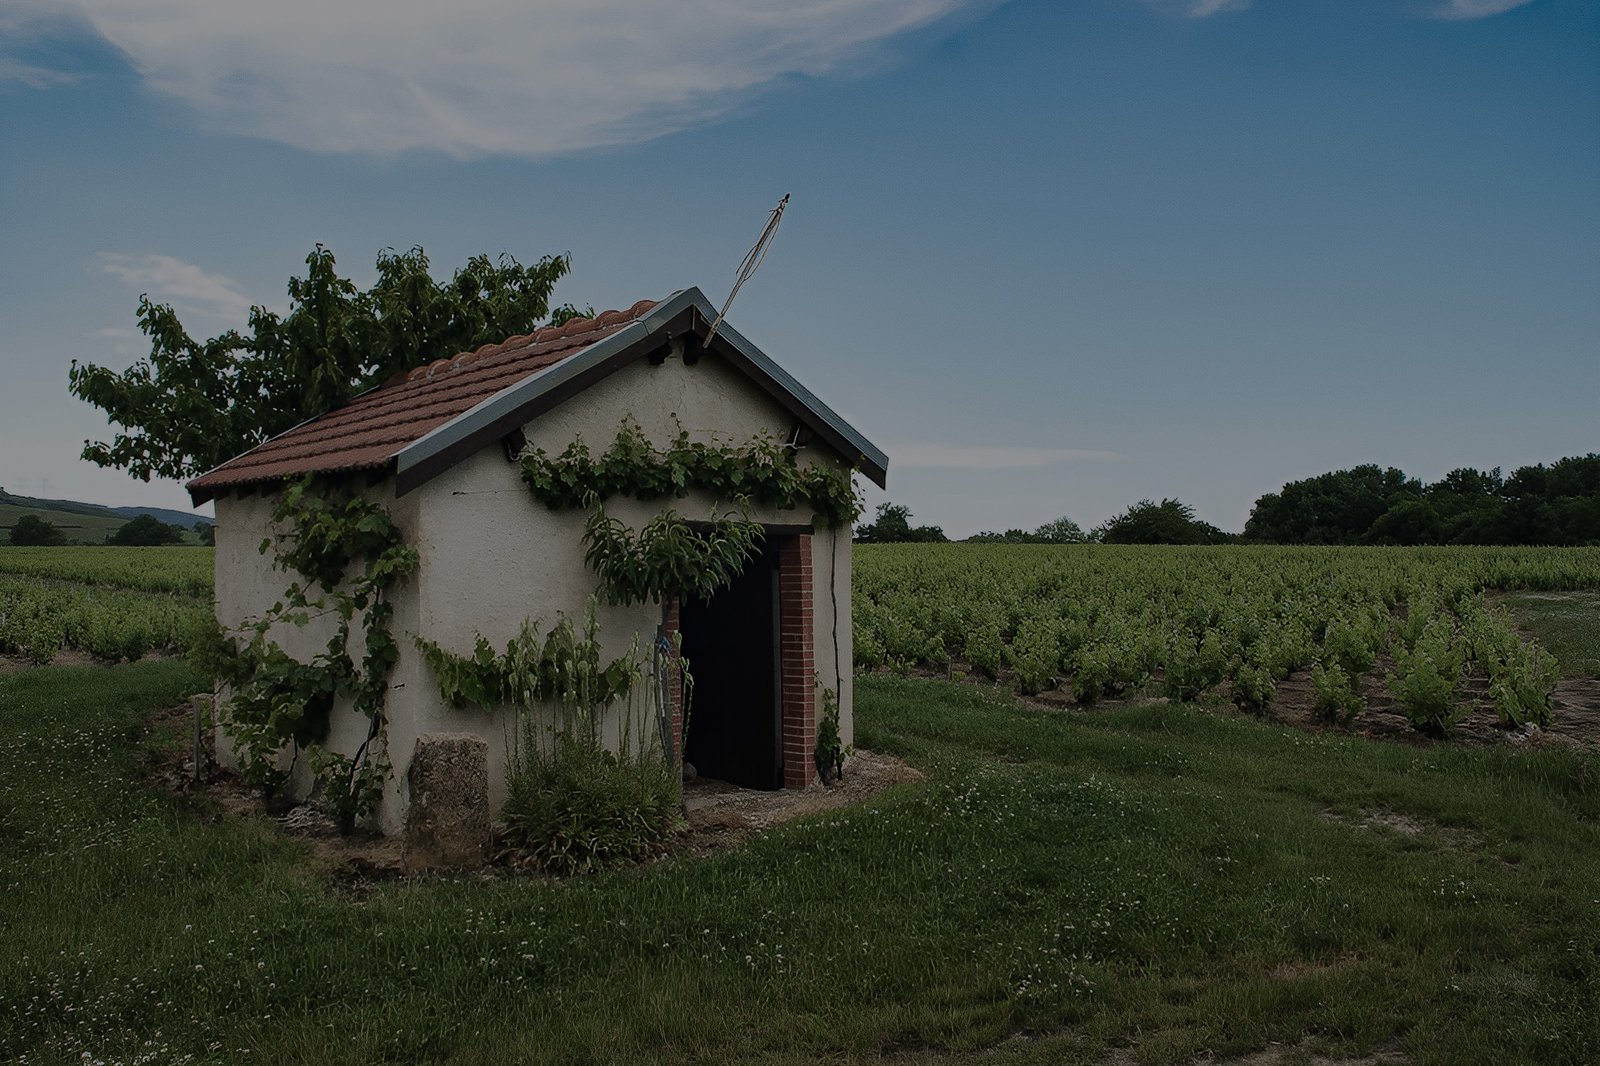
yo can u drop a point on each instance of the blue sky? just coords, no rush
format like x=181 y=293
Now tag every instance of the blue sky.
x=1054 y=256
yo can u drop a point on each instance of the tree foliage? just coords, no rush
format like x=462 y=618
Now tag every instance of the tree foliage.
x=193 y=404
x=1334 y=508
x=1057 y=531
x=31 y=530
x=892 y=525
x=1558 y=504
x=145 y=531
x=1167 y=522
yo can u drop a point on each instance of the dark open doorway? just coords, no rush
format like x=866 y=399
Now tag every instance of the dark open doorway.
x=734 y=730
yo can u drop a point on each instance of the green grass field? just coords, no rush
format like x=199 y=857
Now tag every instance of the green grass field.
x=1160 y=880
x=78 y=528
x=1566 y=623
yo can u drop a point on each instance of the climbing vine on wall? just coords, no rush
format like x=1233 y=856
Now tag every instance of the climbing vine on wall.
x=763 y=471
x=348 y=554
x=574 y=803
x=669 y=556
x=563 y=667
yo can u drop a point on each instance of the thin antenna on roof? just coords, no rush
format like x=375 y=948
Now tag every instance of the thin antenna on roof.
x=752 y=261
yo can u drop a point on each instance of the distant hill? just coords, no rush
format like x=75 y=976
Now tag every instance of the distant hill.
x=87 y=523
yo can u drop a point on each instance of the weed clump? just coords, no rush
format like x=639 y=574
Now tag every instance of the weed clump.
x=574 y=807
x=575 y=802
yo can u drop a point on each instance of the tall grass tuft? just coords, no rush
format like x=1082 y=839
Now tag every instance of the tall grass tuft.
x=574 y=802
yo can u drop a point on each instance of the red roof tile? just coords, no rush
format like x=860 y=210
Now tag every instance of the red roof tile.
x=371 y=429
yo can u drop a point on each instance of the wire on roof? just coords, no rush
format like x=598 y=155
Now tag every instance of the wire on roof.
x=752 y=261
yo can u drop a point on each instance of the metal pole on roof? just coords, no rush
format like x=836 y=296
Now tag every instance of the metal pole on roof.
x=752 y=261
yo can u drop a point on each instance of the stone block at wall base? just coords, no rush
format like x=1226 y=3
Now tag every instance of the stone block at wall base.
x=447 y=819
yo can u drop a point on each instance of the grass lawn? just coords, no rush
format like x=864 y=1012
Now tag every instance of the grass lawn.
x=1566 y=623
x=1158 y=879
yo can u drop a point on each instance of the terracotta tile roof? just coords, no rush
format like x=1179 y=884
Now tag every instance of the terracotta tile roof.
x=367 y=432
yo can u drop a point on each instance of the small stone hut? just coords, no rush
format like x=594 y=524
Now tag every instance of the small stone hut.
x=438 y=448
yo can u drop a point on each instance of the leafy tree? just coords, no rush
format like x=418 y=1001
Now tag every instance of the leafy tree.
x=207 y=532
x=32 y=530
x=1409 y=522
x=1555 y=505
x=1468 y=506
x=1059 y=531
x=1062 y=530
x=1167 y=522
x=1010 y=536
x=892 y=525
x=145 y=531
x=1558 y=504
x=192 y=404
x=1335 y=508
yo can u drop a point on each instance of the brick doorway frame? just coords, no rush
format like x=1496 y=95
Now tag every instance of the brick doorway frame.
x=797 y=700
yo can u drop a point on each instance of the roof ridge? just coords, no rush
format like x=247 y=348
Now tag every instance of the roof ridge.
x=572 y=327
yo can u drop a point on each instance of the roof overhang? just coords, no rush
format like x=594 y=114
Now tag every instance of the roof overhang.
x=682 y=314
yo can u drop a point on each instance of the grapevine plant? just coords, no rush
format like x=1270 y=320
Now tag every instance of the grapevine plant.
x=347 y=555
x=1099 y=621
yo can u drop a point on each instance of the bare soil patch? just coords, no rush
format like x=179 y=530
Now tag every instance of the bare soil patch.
x=10 y=664
x=1575 y=723
x=721 y=815
x=1282 y=1055
x=1406 y=825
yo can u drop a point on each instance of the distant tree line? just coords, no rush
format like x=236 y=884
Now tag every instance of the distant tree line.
x=1557 y=504
x=145 y=530
x=892 y=525
x=1146 y=522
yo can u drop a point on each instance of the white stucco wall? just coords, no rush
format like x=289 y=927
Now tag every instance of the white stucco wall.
x=493 y=556
x=834 y=653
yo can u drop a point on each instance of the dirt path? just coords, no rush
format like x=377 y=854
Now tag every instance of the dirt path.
x=1576 y=706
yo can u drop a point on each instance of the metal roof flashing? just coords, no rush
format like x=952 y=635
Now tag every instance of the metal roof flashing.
x=871 y=459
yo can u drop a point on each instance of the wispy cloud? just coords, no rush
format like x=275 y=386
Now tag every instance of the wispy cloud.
x=33 y=75
x=119 y=340
x=1457 y=10
x=1198 y=9
x=24 y=24
x=958 y=457
x=490 y=76
x=184 y=285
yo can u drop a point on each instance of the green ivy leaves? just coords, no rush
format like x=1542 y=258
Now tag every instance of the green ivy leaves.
x=667 y=558
x=278 y=701
x=763 y=471
x=563 y=667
